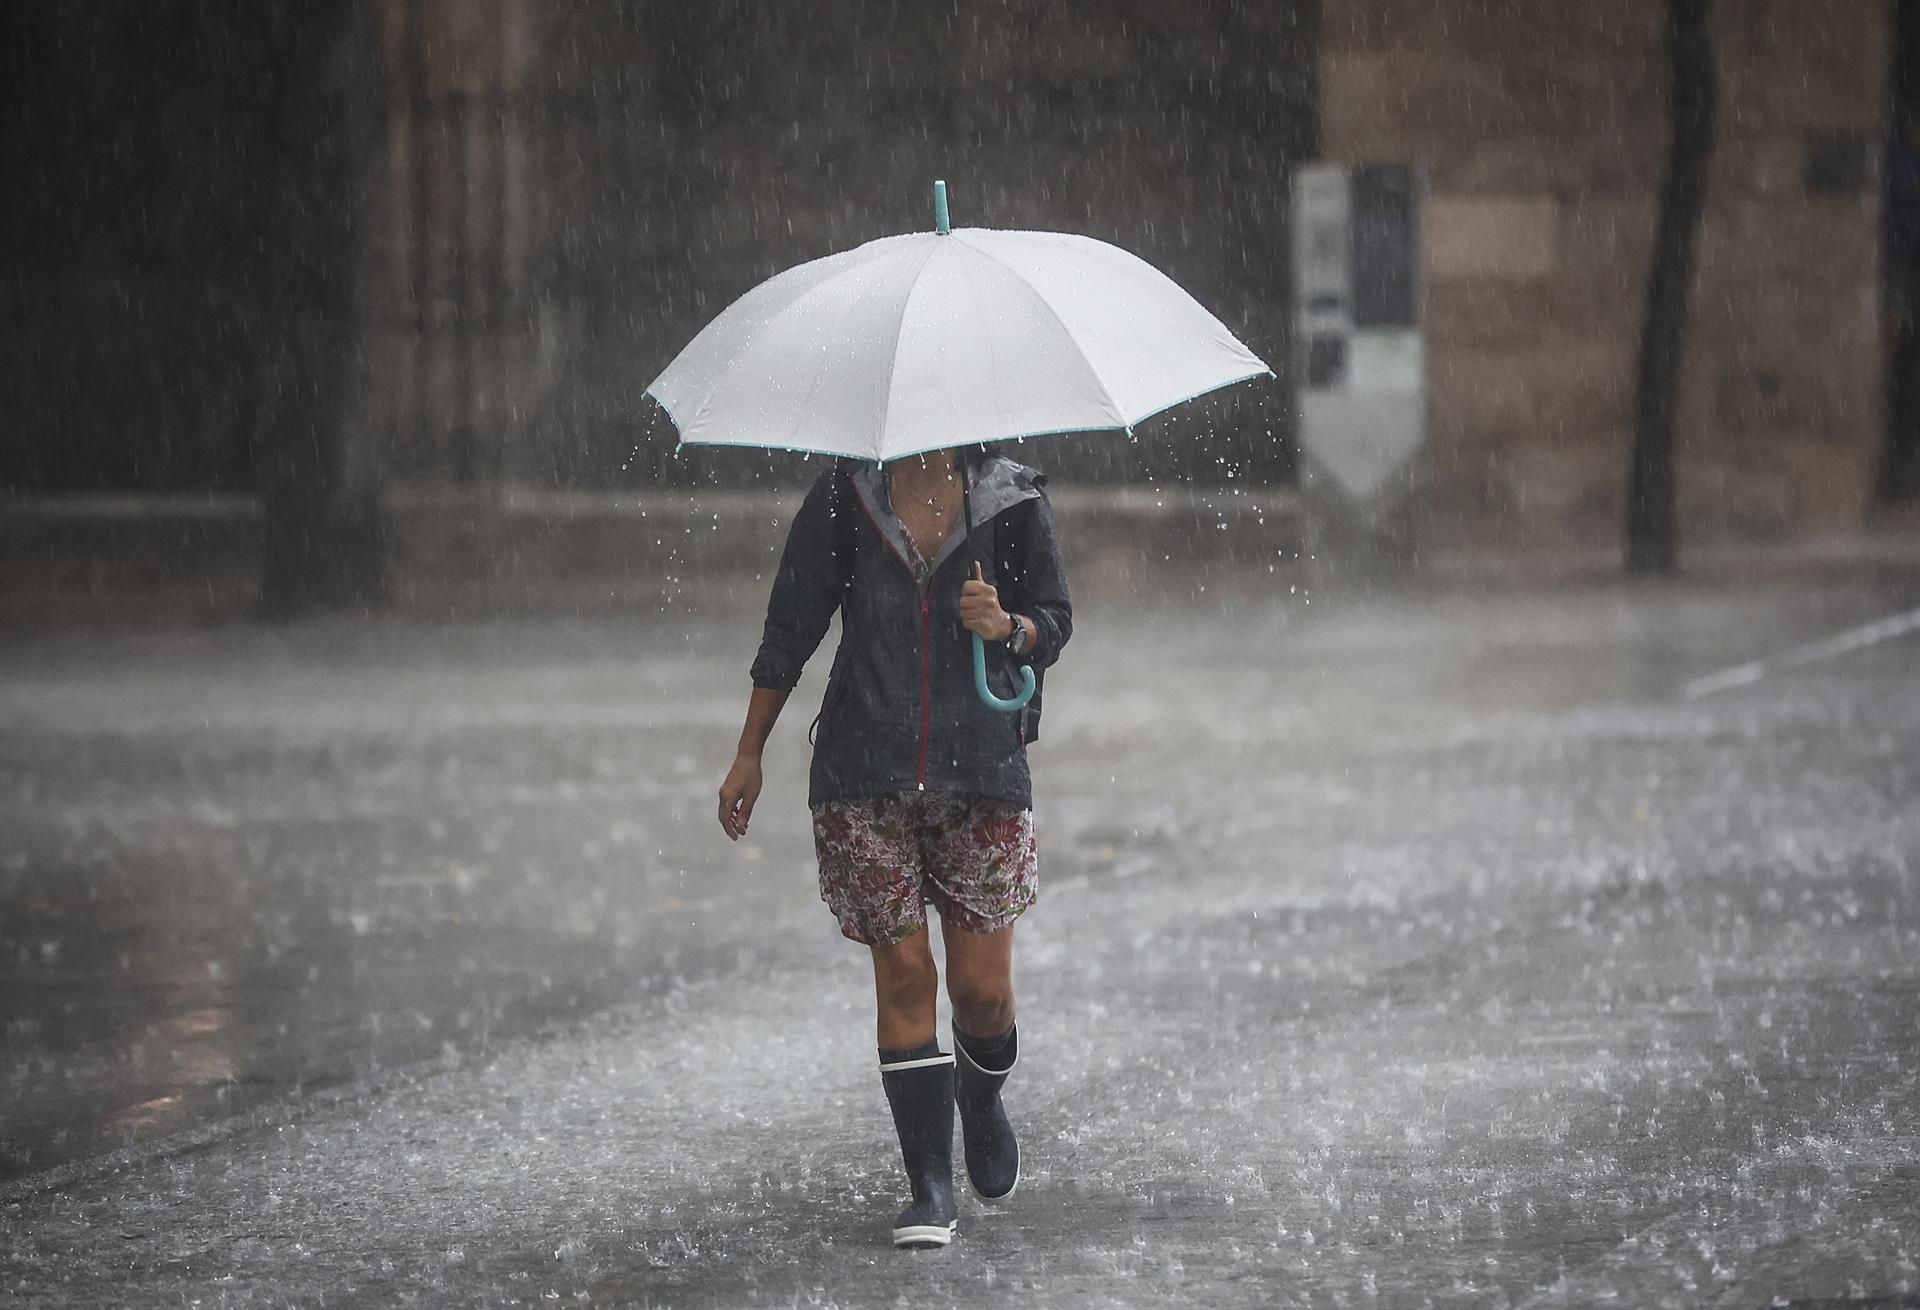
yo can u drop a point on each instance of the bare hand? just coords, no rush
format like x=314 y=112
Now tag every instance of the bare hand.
x=737 y=795
x=980 y=608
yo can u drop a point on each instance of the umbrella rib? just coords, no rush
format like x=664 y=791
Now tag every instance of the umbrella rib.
x=899 y=326
x=1113 y=405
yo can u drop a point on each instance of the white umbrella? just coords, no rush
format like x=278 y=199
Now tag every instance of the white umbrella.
x=947 y=338
x=944 y=338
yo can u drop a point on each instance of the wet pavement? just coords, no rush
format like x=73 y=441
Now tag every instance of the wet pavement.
x=1393 y=950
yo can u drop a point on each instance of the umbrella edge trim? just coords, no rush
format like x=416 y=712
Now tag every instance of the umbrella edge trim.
x=1125 y=426
x=1262 y=372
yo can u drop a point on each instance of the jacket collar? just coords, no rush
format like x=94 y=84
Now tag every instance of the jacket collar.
x=997 y=485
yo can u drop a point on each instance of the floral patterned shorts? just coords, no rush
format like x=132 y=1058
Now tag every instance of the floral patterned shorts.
x=882 y=859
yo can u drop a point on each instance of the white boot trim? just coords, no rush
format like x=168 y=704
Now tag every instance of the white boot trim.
x=977 y=1066
x=898 y=1065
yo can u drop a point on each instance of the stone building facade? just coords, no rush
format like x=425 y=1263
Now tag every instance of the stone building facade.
x=1542 y=131
x=553 y=198
x=562 y=195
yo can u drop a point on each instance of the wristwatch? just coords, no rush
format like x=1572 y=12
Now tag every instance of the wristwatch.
x=1017 y=643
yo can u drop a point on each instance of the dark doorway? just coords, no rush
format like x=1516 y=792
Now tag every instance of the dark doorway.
x=167 y=215
x=132 y=221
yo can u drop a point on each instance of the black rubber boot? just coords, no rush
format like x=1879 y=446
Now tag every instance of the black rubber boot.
x=920 y=1092
x=993 y=1154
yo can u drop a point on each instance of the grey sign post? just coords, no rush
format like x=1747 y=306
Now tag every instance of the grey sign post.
x=1362 y=354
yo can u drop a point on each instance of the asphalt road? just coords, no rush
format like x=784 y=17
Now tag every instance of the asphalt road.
x=1392 y=950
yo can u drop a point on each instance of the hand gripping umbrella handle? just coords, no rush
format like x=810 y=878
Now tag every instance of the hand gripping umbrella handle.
x=1025 y=694
x=1020 y=698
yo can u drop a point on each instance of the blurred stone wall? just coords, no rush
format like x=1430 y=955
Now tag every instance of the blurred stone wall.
x=565 y=194
x=544 y=201
x=1543 y=131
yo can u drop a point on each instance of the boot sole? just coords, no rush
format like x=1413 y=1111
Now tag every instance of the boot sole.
x=925 y=1234
x=1001 y=1199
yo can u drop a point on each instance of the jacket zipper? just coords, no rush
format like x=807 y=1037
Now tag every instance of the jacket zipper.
x=926 y=679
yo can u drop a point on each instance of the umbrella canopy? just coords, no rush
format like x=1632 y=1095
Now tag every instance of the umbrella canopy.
x=935 y=339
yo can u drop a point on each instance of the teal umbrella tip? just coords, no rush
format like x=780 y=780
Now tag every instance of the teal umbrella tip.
x=940 y=222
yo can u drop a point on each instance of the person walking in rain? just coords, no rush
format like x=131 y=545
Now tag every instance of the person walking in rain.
x=920 y=791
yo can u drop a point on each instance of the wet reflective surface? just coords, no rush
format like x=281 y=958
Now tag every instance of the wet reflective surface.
x=1391 y=949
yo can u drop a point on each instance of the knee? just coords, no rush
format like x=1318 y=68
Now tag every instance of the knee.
x=982 y=1006
x=906 y=979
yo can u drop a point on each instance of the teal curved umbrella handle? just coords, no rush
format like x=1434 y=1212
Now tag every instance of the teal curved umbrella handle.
x=1020 y=698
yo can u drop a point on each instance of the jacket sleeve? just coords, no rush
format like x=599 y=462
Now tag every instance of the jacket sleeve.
x=1038 y=577
x=806 y=589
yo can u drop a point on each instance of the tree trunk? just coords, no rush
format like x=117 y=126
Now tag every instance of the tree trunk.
x=1899 y=480
x=1651 y=538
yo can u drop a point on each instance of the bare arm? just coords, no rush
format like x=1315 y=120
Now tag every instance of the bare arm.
x=742 y=786
x=806 y=591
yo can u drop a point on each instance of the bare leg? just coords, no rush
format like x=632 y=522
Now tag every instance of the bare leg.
x=906 y=986
x=980 y=983
x=919 y=1086
x=980 y=979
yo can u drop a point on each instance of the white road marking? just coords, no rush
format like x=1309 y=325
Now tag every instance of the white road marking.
x=1867 y=634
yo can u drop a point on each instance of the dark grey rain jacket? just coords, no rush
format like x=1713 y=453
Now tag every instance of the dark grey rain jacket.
x=900 y=711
